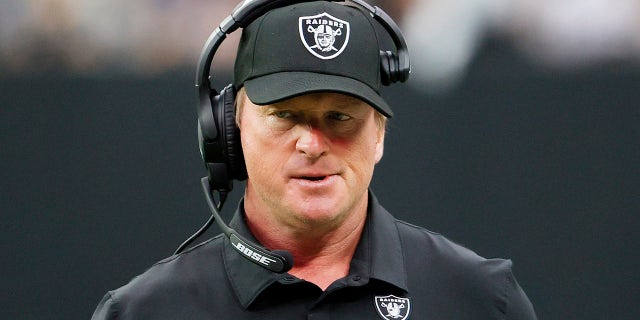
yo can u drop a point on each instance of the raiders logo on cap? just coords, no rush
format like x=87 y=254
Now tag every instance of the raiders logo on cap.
x=393 y=308
x=324 y=35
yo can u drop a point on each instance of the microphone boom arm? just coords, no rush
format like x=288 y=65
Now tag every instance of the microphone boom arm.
x=278 y=261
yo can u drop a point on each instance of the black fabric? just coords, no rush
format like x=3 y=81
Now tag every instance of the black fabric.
x=235 y=157
x=274 y=47
x=441 y=279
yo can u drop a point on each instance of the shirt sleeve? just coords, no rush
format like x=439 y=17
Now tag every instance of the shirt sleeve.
x=106 y=309
x=518 y=306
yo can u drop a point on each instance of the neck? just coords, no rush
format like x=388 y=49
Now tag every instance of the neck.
x=323 y=261
x=321 y=252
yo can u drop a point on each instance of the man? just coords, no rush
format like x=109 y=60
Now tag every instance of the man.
x=312 y=127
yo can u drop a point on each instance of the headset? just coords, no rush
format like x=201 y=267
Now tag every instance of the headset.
x=219 y=137
x=218 y=134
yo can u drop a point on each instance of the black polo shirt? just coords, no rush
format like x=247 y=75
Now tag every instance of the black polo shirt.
x=399 y=271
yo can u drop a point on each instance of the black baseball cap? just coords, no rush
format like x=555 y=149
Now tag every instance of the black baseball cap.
x=310 y=47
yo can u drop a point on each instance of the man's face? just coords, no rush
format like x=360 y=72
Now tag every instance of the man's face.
x=310 y=159
x=324 y=40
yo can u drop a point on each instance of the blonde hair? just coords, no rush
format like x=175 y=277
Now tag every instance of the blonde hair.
x=381 y=120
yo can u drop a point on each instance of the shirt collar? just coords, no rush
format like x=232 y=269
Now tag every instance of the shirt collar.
x=378 y=255
x=247 y=279
x=381 y=239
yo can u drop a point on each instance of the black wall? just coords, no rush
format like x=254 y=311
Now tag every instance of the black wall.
x=100 y=179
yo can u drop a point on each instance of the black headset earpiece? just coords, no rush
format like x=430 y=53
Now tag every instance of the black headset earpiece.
x=388 y=68
x=394 y=67
x=227 y=106
x=218 y=135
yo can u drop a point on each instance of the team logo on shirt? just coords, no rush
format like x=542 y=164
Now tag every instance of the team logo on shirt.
x=323 y=35
x=393 y=308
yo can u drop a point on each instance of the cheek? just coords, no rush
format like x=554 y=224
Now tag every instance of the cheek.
x=362 y=156
x=252 y=153
x=262 y=157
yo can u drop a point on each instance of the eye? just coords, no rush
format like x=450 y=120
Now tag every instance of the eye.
x=283 y=114
x=339 y=116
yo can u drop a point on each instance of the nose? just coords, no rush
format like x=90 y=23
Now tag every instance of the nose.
x=312 y=142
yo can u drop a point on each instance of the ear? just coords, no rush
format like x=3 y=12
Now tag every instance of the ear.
x=380 y=145
x=240 y=101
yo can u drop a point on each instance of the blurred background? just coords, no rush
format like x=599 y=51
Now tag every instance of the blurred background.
x=516 y=136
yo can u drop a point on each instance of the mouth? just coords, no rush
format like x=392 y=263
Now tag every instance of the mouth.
x=315 y=182
x=314 y=178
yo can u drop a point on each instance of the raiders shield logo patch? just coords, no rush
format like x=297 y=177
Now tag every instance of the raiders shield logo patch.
x=324 y=35
x=393 y=308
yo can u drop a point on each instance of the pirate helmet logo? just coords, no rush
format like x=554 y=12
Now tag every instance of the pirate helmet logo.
x=323 y=35
x=393 y=308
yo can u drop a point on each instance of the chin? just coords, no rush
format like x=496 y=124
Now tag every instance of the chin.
x=322 y=209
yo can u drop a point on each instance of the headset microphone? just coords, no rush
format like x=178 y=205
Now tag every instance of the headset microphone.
x=278 y=261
